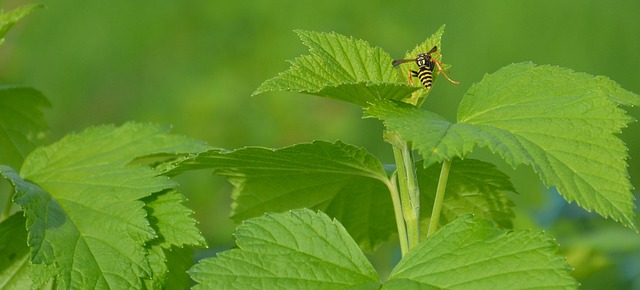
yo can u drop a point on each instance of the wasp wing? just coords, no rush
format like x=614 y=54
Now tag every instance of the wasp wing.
x=398 y=62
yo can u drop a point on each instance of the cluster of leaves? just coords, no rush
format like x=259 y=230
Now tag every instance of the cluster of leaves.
x=99 y=210
x=561 y=123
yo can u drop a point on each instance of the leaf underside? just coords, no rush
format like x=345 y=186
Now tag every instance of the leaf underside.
x=345 y=181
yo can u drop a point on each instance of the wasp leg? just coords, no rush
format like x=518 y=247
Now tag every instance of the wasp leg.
x=437 y=62
x=440 y=70
x=412 y=73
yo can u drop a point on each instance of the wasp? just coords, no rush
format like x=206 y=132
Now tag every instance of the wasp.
x=426 y=64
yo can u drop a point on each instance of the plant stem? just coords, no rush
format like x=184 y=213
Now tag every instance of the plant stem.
x=437 y=204
x=413 y=212
x=407 y=184
x=397 y=209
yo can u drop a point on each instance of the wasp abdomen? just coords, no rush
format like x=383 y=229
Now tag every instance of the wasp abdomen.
x=425 y=69
x=425 y=75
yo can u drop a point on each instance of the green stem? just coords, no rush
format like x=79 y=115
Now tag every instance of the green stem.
x=397 y=209
x=437 y=204
x=407 y=184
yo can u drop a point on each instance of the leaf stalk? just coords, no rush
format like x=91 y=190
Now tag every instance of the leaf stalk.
x=439 y=200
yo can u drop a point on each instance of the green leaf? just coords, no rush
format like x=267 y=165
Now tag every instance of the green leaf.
x=295 y=250
x=22 y=124
x=474 y=187
x=560 y=122
x=82 y=202
x=345 y=181
x=8 y=19
x=341 y=68
x=14 y=257
x=470 y=253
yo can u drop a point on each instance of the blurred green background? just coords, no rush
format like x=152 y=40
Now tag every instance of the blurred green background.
x=194 y=64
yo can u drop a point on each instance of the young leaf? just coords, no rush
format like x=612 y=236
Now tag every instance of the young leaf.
x=560 y=122
x=474 y=187
x=8 y=19
x=470 y=253
x=300 y=249
x=85 y=219
x=22 y=124
x=345 y=181
x=341 y=68
x=14 y=254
